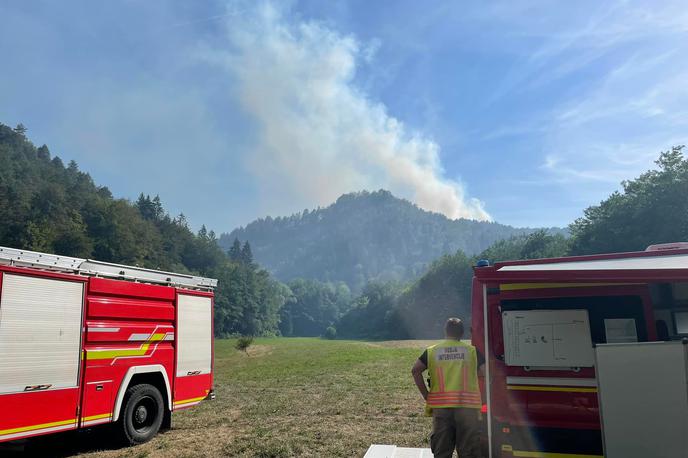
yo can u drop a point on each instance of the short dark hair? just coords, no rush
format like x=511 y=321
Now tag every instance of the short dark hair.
x=454 y=328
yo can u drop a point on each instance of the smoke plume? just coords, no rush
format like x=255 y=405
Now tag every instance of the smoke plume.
x=317 y=134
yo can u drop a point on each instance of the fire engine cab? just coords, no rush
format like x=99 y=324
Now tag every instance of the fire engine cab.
x=542 y=325
x=86 y=343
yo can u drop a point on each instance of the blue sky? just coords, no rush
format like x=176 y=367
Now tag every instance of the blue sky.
x=519 y=112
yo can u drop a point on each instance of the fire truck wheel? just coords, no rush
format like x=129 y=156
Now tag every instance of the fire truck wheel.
x=142 y=414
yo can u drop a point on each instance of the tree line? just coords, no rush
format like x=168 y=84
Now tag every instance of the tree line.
x=652 y=208
x=48 y=206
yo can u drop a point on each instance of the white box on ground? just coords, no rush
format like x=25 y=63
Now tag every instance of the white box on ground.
x=392 y=451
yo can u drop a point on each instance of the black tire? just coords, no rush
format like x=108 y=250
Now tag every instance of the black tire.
x=142 y=414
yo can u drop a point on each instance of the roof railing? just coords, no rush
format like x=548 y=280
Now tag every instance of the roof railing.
x=90 y=267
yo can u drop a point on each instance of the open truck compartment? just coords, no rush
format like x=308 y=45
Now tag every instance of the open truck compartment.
x=538 y=322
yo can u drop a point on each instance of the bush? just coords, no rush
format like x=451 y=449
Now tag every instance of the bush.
x=243 y=343
x=330 y=333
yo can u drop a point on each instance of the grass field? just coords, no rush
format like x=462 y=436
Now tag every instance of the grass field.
x=299 y=397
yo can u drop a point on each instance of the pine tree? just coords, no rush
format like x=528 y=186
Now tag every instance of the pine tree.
x=181 y=221
x=73 y=167
x=158 y=209
x=246 y=254
x=20 y=129
x=145 y=206
x=235 y=251
x=43 y=153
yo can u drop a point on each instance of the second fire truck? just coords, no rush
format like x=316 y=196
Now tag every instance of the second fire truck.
x=537 y=322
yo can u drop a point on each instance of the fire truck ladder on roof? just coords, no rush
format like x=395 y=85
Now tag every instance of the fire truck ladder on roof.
x=24 y=258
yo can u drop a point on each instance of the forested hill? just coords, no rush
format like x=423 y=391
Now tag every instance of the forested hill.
x=361 y=237
x=47 y=206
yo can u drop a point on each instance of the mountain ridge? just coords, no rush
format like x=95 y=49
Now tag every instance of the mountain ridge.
x=363 y=236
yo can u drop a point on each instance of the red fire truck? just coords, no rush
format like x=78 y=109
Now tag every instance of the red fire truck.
x=537 y=322
x=85 y=343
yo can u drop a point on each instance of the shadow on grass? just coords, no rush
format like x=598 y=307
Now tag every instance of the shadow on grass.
x=63 y=445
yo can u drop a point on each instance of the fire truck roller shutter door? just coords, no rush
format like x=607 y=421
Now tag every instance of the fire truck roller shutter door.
x=40 y=333
x=194 y=352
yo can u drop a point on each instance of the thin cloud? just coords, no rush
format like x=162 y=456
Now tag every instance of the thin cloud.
x=319 y=135
x=624 y=69
x=565 y=173
x=573 y=39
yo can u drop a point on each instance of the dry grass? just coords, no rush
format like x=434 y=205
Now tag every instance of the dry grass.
x=298 y=397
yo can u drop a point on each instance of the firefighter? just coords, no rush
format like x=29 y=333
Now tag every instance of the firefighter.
x=454 y=396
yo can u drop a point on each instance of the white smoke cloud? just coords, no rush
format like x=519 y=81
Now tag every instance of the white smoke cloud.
x=319 y=135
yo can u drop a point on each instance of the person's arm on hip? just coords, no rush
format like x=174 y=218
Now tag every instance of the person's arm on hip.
x=417 y=371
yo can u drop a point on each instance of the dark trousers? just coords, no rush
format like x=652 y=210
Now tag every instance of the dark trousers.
x=455 y=428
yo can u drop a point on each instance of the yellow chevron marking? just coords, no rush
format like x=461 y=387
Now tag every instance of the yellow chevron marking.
x=128 y=352
x=188 y=401
x=35 y=427
x=96 y=417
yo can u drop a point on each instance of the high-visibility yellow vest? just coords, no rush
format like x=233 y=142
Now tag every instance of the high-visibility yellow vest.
x=453 y=367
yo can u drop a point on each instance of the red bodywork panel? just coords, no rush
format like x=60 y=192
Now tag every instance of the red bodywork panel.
x=125 y=325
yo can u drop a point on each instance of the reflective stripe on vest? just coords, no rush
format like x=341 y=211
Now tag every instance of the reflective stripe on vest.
x=453 y=375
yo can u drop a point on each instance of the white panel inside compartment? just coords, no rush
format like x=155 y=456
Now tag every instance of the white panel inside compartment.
x=195 y=334
x=620 y=330
x=680 y=291
x=40 y=332
x=547 y=338
x=643 y=399
x=681 y=322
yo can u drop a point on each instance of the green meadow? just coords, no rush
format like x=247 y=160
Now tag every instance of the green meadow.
x=299 y=397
